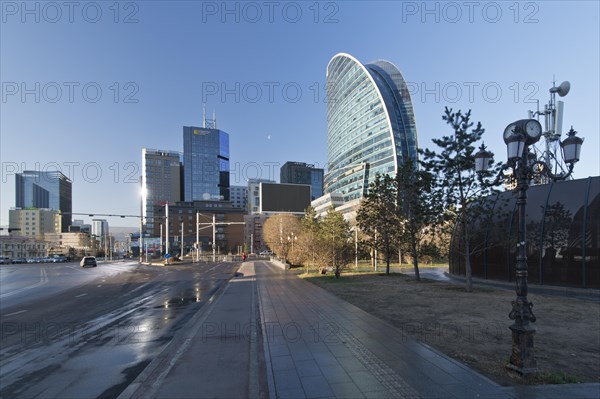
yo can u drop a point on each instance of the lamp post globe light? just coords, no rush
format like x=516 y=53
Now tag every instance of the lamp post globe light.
x=518 y=136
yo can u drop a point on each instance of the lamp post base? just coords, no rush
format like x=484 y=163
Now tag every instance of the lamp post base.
x=522 y=359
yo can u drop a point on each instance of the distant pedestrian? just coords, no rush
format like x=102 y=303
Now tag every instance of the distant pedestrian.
x=244 y=257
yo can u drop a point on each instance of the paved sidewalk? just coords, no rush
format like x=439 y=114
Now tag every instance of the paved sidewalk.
x=272 y=334
x=321 y=346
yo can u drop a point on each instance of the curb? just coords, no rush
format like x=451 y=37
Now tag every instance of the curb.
x=150 y=379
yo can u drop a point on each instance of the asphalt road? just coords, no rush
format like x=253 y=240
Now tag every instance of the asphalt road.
x=87 y=333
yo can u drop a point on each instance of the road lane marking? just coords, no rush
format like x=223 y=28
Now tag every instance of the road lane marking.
x=43 y=280
x=15 y=313
x=100 y=285
x=80 y=295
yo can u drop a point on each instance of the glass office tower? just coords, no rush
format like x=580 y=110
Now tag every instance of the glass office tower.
x=205 y=164
x=161 y=181
x=53 y=190
x=371 y=125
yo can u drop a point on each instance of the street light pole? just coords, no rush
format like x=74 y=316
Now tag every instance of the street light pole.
x=167 y=228
x=141 y=240
x=214 y=244
x=522 y=358
x=197 y=237
x=356 y=247
x=518 y=136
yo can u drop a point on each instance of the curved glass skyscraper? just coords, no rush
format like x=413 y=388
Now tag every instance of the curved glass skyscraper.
x=370 y=124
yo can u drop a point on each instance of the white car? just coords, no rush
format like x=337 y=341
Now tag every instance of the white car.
x=88 y=261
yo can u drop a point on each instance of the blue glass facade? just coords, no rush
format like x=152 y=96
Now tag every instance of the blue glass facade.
x=205 y=164
x=37 y=189
x=371 y=125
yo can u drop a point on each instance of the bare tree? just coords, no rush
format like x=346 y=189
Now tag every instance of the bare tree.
x=276 y=231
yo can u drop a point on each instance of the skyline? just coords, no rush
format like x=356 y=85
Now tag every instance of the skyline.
x=262 y=70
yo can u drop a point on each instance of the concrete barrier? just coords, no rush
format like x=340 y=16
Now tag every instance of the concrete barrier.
x=280 y=264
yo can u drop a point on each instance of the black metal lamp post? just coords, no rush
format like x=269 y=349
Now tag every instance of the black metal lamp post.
x=518 y=136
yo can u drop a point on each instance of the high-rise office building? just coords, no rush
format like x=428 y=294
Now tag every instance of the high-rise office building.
x=78 y=226
x=100 y=231
x=206 y=163
x=371 y=126
x=52 y=190
x=303 y=173
x=162 y=175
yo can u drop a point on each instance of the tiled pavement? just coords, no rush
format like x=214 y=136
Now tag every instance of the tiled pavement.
x=313 y=345
x=321 y=346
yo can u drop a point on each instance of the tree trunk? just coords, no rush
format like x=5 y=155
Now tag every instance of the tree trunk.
x=468 y=274
x=415 y=261
x=372 y=253
x=388 y=255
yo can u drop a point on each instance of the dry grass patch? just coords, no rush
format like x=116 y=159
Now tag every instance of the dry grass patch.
x=473 y=327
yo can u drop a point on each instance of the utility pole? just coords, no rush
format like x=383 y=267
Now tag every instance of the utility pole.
x=141 y=240
x=198 y=237
x=181 y=240
x=375 y=249
x=356 y=247
x=161 y=240
x=167 y=228
x=214 y=245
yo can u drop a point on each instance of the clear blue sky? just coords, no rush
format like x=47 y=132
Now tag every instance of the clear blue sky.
x=155 y=71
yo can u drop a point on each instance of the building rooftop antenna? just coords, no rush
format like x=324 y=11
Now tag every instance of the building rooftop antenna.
x=553 y=118
x=208 y=123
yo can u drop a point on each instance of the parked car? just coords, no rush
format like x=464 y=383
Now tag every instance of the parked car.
x=19 y=260
x=266 y=253
x=88 y=261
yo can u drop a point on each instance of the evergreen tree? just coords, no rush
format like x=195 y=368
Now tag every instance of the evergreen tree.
x=458 y=187
x=335 y=235
x=419 y=207
x=378 y=215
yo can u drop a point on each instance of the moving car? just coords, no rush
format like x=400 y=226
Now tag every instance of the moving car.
x=88 y=261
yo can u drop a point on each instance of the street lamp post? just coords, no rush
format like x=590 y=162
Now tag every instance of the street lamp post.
x=141 y=239
x=355 y=230
x=518 y=136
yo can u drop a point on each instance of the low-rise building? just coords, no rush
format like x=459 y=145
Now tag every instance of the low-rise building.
x=71 y=243
x=322 y=204
x=33 y=222
x=184 y=216
x=22 y=247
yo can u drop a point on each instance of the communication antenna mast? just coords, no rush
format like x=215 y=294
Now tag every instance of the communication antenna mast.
x=553 y=118
x=209 y=123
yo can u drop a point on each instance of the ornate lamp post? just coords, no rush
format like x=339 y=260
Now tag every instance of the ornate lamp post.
x=518 y=136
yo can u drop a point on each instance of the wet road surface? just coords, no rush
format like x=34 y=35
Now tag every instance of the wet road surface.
x=71 y=333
